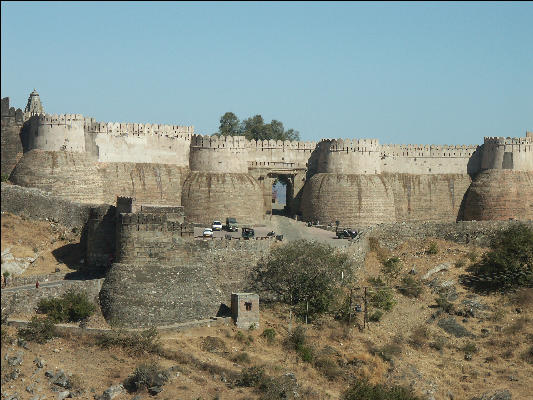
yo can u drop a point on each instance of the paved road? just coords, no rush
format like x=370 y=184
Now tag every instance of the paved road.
x=289 y=228
x=32 y=286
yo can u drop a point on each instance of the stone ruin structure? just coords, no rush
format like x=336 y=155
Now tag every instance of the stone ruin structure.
x=354 y=181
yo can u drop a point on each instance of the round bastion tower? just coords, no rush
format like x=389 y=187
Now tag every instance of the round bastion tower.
x=219 y=185
x=54 y=158
x=348 y=187
x=503 y=189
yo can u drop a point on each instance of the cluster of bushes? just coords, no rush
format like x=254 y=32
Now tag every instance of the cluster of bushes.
x=269 y=388
x=70 y=307
x=305 y=275
x=509 y=263
x=39 y=330
x=150 y=376
x=135 y=343
x=363 y=390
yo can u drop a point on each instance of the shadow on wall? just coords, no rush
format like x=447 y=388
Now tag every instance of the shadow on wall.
x=224 y=311
x=473 y=166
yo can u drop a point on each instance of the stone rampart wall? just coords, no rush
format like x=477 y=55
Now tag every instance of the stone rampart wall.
x=36 y=204
x=370 y=199
x=149 y=183
x=508 y=153
x=193 y=286
x=25 y=300
x=11 y=145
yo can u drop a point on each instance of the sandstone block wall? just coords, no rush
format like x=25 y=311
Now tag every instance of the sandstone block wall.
x=350 y=199
x=210 y=196
x=372 y=199
x=37 y=204
x=192 y=286
x=149 y=183
x=10 y=145
x=498 y=194
x=25 y=301
x=69 y=175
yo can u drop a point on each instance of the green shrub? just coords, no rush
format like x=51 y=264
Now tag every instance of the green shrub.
x=269 y=334
x=241 y=357
x=251 y=377
x=470 y=348
x=71 y=307
x=392 y=267
x=509 y=264
x=280 y=388
x=39 y=330
x=472 y=255
x=460 y=263
x=375 y=316
x=444 y=304
x=411 y=287
x=297 y=340
x=328 y=367
x=146 y=376
x=363 y=390
x=382 y=298
x=433 y=248
x=5 y=177
x=246 y=339
x=302 y=272
x=135 y=343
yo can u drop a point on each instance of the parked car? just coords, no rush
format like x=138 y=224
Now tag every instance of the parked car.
x=346 y=233
x=217 y=226
x=208 y=232
x=247 y=233
x=231 y=224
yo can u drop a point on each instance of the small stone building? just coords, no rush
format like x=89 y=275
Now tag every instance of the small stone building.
x=245 y=309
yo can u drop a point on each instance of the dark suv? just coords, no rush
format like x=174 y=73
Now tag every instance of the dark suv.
x=346 y=233
x=248 y=233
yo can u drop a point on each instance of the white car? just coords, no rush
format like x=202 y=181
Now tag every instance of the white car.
x=208 y=232
x=217 y=226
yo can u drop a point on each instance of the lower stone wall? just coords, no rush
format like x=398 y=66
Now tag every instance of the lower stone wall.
x=192 y=287
x=72 y=176
x=373 y=199
x=209 y=196
x=500 y=195
x=38 y=204
x=11 y=146
x=159 y=184
x=25 y=300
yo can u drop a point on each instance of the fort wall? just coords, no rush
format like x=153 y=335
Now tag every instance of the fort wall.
x=10 y=145
x=508 y=153
x=219 y=154
x=350 y=156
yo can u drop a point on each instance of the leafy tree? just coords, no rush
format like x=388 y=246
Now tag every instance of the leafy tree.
x=301 y=272
x=229 y=125
x=254 y=128
x=509 y=264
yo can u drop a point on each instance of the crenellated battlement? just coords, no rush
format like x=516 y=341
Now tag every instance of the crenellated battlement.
x=218 y=142
x=417 y=150
x=61 y=119
x=502 y=141
x=281 y=144
x=135 y=129
x=354 y=145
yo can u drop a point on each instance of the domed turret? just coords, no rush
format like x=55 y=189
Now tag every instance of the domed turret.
x=34 y=105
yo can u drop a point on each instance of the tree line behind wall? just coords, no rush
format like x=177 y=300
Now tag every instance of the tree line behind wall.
x=254 y=128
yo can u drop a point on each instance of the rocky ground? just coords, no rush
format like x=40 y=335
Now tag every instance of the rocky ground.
x=480 y=348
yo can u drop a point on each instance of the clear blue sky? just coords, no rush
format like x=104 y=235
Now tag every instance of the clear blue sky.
x=442 y=73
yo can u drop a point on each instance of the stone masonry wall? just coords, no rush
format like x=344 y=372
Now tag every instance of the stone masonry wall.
x=193 y=285
x=11 y=145
x=499 y=194
x=37 y=204
x=25 y=300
